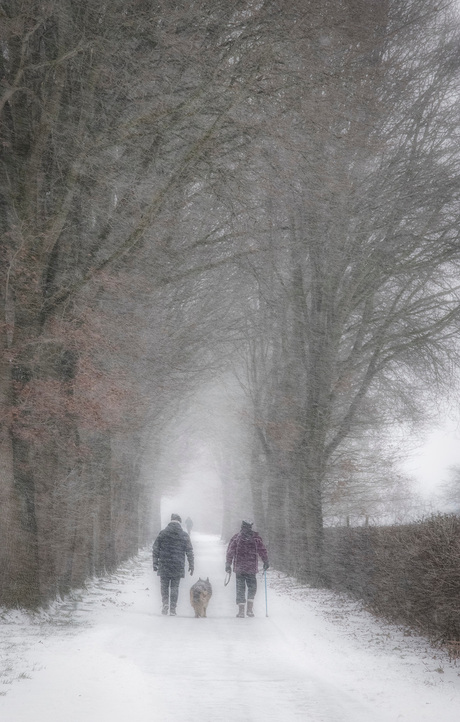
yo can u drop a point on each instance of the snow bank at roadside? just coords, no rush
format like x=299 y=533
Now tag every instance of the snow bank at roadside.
x=397 y=671
x=22 y=634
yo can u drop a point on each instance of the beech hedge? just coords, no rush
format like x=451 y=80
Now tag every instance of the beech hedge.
x=408 y=574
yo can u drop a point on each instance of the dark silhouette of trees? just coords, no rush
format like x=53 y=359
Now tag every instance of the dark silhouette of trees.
x=107 y=115
x=189 y=187
x=358 y=300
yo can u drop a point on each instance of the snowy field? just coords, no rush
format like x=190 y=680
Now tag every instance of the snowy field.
x=107 y=655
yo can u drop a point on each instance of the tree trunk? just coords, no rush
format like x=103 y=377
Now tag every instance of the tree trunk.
x=258 y=484
x=25 y=585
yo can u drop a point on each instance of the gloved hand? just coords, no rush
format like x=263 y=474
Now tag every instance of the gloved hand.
x=266 y=566
x=190 y=568
x=155 y=567
x=228 y=568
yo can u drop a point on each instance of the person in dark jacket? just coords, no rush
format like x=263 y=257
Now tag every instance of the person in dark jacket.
x=243 y=550
x=169 y=550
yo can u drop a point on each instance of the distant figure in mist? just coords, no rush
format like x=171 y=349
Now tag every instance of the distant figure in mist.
x=188 y=525
x=243 y=551
x=169 y=550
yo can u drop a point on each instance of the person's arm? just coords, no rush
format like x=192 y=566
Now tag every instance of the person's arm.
x=230 y=554
x=189 y=553
x=263 y=553
x=156 y=553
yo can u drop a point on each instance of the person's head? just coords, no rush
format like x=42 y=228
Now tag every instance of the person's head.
x=246 y=526
x=176 y=517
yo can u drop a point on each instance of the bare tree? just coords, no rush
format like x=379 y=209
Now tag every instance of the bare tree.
x=108 y=114
x=449 y=492
x=366 y=262
x=189 y=179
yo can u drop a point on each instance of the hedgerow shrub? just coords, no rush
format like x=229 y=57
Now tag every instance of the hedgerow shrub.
x=409 y=574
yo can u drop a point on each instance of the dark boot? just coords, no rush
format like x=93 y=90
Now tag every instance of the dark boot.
x=250 y=608
x=240 y=610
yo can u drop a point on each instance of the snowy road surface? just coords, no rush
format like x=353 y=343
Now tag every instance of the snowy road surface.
x=111 y=657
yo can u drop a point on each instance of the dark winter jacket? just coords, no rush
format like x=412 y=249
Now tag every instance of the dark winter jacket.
x=169 y=550
x=243 y=550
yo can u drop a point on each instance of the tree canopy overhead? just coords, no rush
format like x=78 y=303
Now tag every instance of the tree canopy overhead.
x=188 y=188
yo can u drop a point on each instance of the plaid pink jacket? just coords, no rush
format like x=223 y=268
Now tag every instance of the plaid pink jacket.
x=243 y=551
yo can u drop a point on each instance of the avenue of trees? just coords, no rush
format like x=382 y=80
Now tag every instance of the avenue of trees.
x=191 y=190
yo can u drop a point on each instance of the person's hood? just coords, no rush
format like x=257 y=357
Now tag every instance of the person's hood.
x=175 y=524
x=246 y=533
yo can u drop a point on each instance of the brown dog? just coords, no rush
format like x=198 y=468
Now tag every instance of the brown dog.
x=200 y=594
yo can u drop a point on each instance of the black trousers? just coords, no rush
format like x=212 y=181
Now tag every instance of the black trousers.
x=169 y=591
x=242 y=581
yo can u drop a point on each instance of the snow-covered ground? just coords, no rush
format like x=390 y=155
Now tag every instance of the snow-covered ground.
x=107 y=655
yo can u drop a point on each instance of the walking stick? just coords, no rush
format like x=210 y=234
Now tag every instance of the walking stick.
x=266 y=603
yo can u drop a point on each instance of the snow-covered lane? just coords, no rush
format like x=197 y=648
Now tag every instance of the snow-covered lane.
x=131 y=663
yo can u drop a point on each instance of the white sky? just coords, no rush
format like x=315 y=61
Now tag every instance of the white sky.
x=430 y=462
x=112 y=657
